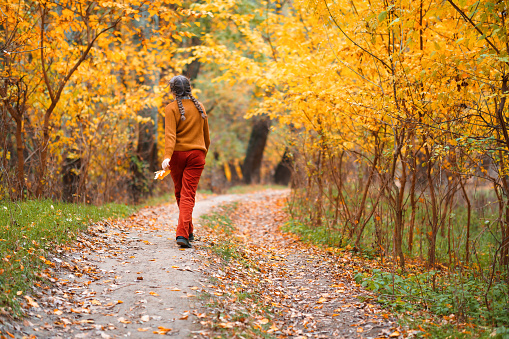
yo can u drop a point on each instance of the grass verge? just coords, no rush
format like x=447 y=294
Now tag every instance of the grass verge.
x=30 y=230
x=242 y=189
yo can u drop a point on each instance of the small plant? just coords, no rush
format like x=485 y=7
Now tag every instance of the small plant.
x=468 y=298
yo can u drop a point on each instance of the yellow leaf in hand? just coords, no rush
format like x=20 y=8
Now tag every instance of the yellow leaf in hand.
x=161 y=174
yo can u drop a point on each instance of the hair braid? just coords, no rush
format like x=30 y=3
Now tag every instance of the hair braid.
x=198 y=106
x=181 y=108
x=181 y=87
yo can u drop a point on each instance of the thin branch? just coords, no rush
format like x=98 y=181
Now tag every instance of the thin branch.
x=356 y=44
x=83 y=57
x=346 y=64
x=467 y=19
x=31 y=50
x=43 y=63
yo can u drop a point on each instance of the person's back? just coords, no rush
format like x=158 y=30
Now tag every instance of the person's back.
x=186 y=145
x=185 y=135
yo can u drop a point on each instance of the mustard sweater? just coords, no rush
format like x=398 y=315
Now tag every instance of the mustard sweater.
x=185 y=135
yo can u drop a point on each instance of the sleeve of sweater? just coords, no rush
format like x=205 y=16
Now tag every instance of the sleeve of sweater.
x=206 y=135
x=170 y=132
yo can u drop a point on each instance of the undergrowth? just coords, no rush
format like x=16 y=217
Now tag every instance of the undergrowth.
x=460 y=303
x=31 y=230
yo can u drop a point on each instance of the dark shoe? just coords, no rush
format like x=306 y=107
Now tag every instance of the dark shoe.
x=183 y=242
x=191 y=237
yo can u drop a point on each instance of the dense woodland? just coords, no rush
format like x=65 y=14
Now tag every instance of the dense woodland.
x=390 y=117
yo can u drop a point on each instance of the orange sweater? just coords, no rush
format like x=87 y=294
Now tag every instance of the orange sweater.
x=185 y=135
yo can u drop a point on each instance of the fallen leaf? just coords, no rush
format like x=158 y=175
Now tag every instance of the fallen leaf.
x=321 y=300
x=263 y=321
x=31 y=302
x=145 y=318
x=360 y=329
x=153 y=293
x=58 y=312
x=123 y=320
x=145 y=329
x=394 y=334
x=162 y=330
x=226 y=325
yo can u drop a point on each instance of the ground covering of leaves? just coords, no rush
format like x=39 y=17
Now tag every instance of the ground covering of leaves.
x=119 y=278
x=269 y=284
x=244 y=277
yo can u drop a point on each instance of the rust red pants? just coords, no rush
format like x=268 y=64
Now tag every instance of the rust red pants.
x=186 y=168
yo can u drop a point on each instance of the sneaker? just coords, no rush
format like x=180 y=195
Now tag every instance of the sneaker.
x=191 y=237
x=183 y=242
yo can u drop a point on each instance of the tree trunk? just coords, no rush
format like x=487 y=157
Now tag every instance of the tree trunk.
x=256 y=146
x=469 y=209
x=413 y=204
x=71 y=179
x=283 y=174
x=193 y=68
x=44 y=151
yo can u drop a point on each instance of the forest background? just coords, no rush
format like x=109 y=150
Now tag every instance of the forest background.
x=389 y=119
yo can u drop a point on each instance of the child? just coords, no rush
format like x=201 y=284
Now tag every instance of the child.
x=186 y=144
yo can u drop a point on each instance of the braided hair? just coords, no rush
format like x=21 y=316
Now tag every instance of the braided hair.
x=181 y=87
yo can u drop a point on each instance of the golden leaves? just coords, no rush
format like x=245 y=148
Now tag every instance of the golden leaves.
x=160 y=175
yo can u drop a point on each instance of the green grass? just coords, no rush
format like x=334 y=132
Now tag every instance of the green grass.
x=243 y=189
x=31 y=230
x=459 y=294
x=158 y=200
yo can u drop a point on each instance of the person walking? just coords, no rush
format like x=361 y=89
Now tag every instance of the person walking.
x=186 y=143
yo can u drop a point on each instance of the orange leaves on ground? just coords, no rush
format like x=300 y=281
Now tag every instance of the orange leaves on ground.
x=31 y=302
x=321 y=300
x=162 y=330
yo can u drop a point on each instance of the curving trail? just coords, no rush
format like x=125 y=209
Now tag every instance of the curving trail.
x=128 y=278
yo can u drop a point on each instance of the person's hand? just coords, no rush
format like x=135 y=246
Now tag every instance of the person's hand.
x=166 y=164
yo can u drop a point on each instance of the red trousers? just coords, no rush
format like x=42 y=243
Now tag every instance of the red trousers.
x=186 y=168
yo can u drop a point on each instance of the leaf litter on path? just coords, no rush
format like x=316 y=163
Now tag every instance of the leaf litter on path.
x=117 y=280
x=272 y=285
x=267 y=283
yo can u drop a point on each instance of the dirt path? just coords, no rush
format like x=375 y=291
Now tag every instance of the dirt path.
x=130 y=279
x=126 y=279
